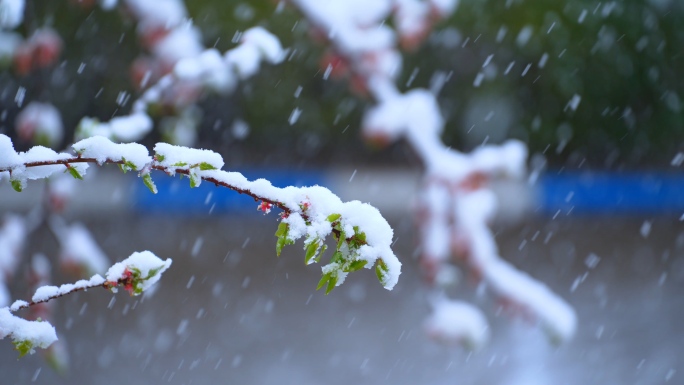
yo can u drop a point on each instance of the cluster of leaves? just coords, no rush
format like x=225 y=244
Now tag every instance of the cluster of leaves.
x=126 y=166
x=195 y=179
x=146 y=177
x=345 y=259
x=133 y=281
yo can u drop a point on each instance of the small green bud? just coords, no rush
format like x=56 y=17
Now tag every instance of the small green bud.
x=17 y=185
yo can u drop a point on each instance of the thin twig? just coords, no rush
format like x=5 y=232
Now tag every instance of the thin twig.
x=104 y=285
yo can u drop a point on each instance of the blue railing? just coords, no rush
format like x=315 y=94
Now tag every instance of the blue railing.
x=639 y=193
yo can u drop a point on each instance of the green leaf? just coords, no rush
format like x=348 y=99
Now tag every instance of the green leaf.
x=17 y=185
x=333 y=217
x=283 y=227
x=24 y=347
x=280 y=243
x=317 y=258
x=179 y=164
x=127 y=166
x=153 y=272
x=130 y=165
x=311 y=251
x=147 y=179
x=159 y=157
x=74 y=173
x=204 y=166
x=281 y=233
x=342 y=238
x=381 y=271
x=135 y=271
x=331 y=285
x=337 y=257
x=194 y=180
x=326 y=277
x=356 y=265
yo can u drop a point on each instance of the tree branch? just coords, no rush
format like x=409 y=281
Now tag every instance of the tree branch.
x=19 y=305
x=158 y=167
x=312 y=213
x=136 y=273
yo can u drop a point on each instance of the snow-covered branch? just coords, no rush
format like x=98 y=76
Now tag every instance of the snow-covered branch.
x=363 y=236
x=180 y=89
x=456 y=205
x=135 y=274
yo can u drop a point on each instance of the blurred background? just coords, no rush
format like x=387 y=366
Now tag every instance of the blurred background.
x=593 y=88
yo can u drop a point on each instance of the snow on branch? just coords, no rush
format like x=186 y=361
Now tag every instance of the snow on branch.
x=190 y=74
x=455 y=204
x=363 y=237
x=135 y=274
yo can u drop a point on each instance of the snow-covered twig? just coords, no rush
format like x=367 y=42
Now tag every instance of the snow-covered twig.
x=136 y=274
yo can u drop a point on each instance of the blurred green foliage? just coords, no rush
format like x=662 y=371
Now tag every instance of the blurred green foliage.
x=623 y=59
